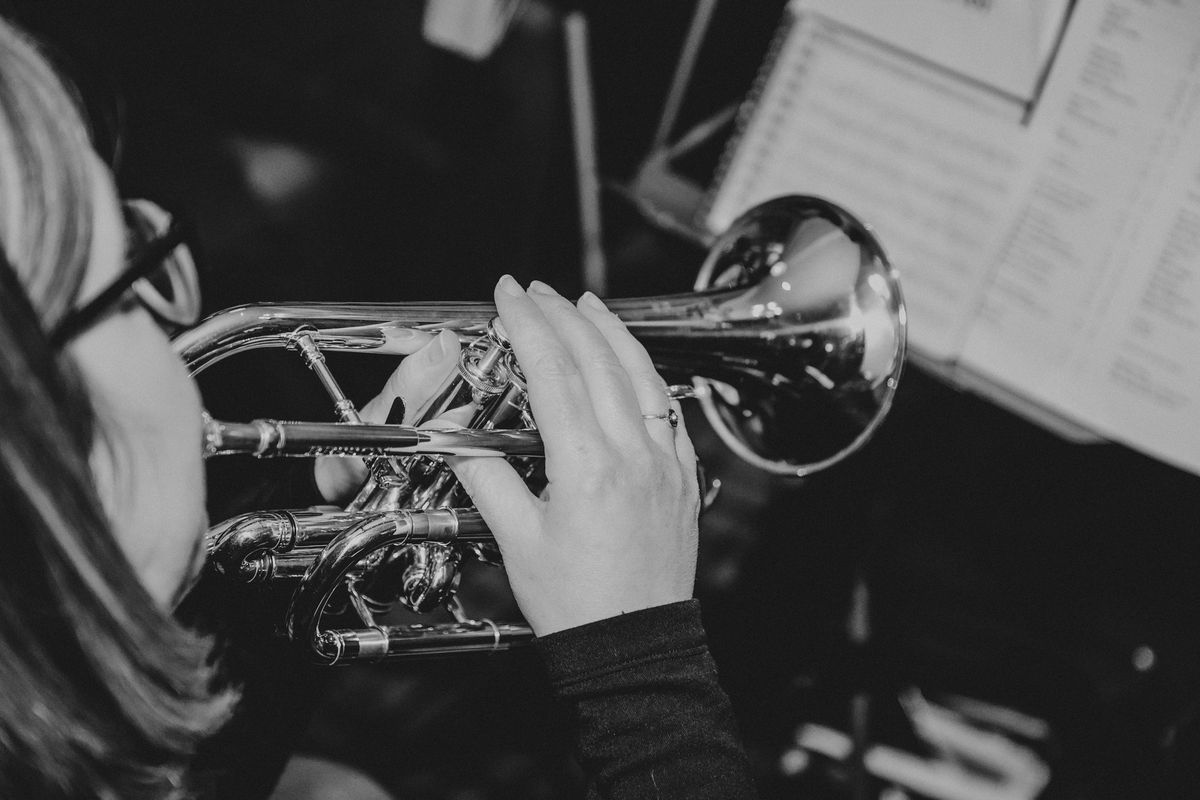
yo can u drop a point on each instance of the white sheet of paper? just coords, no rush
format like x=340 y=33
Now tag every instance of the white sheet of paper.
x=1143 y=381
x=932 y=165
x=1100 y=265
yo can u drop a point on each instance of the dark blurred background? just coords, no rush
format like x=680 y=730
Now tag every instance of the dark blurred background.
x=328 y=151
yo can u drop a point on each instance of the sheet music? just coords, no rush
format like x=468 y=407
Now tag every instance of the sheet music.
x=933 y=165
x=1117 y=132
x=1145 y=375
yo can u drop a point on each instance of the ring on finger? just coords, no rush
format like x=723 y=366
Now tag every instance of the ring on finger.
x=670 y=415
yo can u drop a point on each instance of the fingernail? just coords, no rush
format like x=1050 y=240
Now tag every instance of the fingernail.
x=509 y=286
x=439 y=347
x=591 y=301
x=537 y=287
x=396 y=414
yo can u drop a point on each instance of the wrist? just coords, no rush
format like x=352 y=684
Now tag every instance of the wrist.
x=565 y=616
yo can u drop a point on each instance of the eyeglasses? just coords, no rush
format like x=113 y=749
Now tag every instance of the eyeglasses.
x=160 y=271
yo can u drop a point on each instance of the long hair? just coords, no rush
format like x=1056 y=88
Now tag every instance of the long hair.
x=102 y=693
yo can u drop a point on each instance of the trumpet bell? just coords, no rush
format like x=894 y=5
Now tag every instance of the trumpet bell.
x=803 y=332
x=794 y=338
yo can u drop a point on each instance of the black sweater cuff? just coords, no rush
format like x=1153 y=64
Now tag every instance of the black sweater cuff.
x=615 y=643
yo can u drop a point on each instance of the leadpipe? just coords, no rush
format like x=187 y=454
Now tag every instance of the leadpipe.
x=268 y=438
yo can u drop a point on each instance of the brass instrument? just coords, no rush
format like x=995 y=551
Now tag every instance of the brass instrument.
x=792 y=343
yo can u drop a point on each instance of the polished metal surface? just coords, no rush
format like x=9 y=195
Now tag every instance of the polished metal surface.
x=266 y=438
x=794 y=337
x=792 y=341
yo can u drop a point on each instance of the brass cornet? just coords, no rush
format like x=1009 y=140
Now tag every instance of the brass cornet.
x=792 y=343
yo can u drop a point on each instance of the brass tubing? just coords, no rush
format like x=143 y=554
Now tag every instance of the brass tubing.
x=267 y=438
x=354 y=544
x=337 y=647
x=283 y=544
x=230 y=543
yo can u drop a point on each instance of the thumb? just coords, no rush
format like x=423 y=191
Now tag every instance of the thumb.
x=416 y=380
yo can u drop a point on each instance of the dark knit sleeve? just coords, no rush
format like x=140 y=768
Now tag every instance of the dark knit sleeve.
x=651 y=719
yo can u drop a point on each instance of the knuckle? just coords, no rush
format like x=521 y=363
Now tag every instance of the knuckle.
x=639 y=468
x=553 y=363
x=607 y=364
x=644 y=467
x=598 y=479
